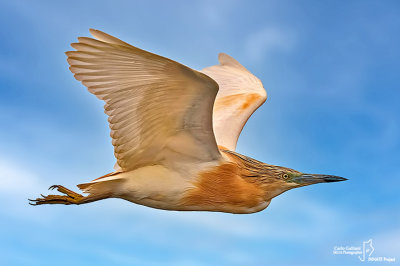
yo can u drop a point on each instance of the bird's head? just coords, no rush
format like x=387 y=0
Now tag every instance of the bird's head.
x=277 y=179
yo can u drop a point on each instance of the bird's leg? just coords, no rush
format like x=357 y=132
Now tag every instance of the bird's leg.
x=66 y=191
x=70 y=197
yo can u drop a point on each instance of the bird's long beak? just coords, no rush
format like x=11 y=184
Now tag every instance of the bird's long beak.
x=308 y=179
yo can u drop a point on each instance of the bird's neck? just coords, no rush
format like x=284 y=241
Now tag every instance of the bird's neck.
x=258 y=173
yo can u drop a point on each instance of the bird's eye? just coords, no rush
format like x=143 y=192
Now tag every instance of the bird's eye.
x=285 y=176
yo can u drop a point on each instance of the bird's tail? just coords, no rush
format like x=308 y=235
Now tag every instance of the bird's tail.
x=105 y=185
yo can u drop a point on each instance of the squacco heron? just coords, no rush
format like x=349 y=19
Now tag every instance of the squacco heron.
x=174 y=131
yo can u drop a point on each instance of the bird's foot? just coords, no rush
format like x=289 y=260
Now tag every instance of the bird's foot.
x=70 y=197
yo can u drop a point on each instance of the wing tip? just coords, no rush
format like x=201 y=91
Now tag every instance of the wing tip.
x=222 y=56
x=107 y=38
x=99 y=35
x=227 y=60
x=94 y=31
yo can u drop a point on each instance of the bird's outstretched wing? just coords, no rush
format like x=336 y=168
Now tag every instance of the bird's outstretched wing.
x=240 y=94
x=157 y=108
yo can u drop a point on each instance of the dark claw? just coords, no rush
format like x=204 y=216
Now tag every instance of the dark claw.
x=34 y=202
x=53 y=187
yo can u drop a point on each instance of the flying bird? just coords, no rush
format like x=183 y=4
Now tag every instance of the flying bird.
x=174 y=132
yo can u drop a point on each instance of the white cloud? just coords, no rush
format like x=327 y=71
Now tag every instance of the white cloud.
x=388 y=244
x=17 y=184
x=296 y=219
x=269 y=40
x=16 y=180
x=216 y=14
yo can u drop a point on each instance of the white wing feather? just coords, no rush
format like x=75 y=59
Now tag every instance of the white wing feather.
x=156 y=106
x=240 y=94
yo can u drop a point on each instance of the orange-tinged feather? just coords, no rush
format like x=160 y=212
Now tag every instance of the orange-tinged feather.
x=228 y=101
x=107 y=175
x=220 y=147
x=239 y=101
x=250 y=99
x=222 y=187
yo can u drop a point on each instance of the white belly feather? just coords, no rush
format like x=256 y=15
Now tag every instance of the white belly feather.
x=154 y=186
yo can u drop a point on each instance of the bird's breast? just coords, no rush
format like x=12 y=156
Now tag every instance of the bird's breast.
x=222 y=188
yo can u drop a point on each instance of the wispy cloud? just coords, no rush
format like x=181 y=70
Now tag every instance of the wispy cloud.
x=269 y=40
x=17 y=184
x=15 y=180
x=388 y=243
x=343 y=59
x=216 y=13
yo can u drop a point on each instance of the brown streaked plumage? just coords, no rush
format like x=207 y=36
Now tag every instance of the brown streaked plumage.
x=224 y=186
x=174 y=132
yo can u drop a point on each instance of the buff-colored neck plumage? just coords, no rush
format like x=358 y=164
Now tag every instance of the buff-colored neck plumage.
x=241 y=185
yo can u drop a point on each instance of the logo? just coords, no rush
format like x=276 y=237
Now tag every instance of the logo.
x=368 y=248
x=363 y=251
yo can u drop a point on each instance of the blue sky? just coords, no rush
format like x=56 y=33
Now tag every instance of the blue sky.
x=331 y=71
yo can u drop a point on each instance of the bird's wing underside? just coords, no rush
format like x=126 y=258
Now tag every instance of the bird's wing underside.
x=240 y=94
x=157 y=108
